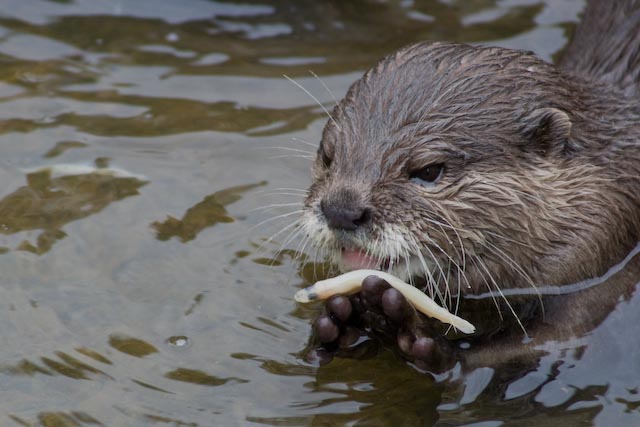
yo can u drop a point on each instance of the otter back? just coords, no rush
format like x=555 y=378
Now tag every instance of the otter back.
x=606 y=45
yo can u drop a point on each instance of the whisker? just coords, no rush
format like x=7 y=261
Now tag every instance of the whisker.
x=462 y=250
x=461 y=270
x=459 y=293
x=252 y=228
x=296 y=150
x=434 y=289
x=288 y=189
x=315 y=261
x=406 y=257
x=315 y=99
x=302 y=141
x=275 y=205
x=291 y=156
x=482 y=264
x=297 y=257
x=280 y=193
x=505 y=257
x=484 y=279
x=282 y=230
x=326 y=88
x=292 y=234
x=302 y=245
x=374 y=248
x=448 y=224
x=447 y=295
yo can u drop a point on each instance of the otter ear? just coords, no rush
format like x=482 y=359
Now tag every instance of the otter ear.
x=547 y=129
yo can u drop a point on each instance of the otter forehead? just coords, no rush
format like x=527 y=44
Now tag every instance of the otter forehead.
x=440 y=95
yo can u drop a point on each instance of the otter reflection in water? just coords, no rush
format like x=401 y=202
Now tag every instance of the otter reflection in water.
x=472 y=170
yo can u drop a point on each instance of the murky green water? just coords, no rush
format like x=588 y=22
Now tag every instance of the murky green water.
x=139 y=141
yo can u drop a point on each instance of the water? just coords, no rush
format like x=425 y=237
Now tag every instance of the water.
x=139 y=139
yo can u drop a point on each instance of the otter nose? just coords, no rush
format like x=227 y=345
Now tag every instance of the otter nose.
x=346 y=218
x=344 y=210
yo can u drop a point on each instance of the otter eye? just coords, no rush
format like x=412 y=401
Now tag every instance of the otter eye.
x=427 y=175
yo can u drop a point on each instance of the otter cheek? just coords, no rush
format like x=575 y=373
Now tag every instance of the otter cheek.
x=354 y=259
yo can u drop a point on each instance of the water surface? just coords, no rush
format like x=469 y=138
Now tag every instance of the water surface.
x=143 y=142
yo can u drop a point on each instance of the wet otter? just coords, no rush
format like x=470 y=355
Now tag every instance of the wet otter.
x=475 y=169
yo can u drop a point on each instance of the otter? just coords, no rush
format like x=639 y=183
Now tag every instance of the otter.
x=475 y=170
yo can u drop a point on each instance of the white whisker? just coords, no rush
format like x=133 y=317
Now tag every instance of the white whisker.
x=295 y=150
x=315 y=99
x=275 y=218
x=280 y=193
x=282 y=230
x=484 y=279
x=275 y=205
x=292 y=156
x=497 y=287
x=516 y=268
x=326 y=88
x=292 y=189
x=302 y=141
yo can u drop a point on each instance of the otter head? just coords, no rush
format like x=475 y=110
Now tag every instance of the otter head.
x=461 y=165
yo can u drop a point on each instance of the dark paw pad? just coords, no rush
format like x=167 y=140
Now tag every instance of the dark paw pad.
x=380 y=311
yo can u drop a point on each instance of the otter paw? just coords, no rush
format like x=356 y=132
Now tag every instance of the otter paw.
x=381 y=310
x=427 y=353
x=337 y=326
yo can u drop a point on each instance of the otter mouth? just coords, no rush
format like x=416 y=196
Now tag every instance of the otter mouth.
x=357 y=259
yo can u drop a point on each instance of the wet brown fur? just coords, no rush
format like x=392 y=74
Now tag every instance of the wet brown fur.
x=542 y=163
x=559 y=198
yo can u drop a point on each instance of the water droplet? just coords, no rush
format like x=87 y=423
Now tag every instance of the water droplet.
x=178 y=341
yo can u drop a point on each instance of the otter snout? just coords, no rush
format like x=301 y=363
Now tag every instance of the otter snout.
x=344 y=209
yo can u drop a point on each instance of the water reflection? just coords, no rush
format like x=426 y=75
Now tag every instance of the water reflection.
x=67 y=366
x=61 y=419
x=131 y=346
x=50 y=202
x=184 y=92
x=63 y=146
x=195 y=376
x=207 y=213
x=158 y=61
x=353 y=392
